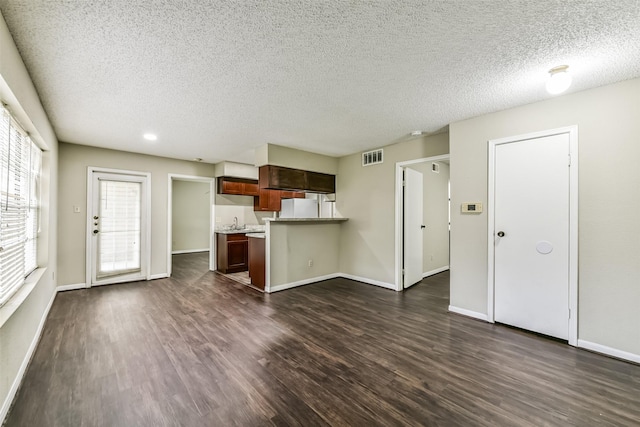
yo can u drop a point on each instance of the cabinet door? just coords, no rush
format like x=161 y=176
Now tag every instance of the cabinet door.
x=321 y=182
x=268 y=200
x=239 y=186
x=237 y=255
x=251 y=189
x=281 y=178
x=292 y=195
x=230 y=187
x=257 y=262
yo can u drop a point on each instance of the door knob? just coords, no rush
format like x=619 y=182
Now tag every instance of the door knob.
x=96 y=231
x=500 y=233
x=95 y=217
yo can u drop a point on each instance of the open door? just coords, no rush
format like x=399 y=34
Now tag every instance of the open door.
x=412 y=230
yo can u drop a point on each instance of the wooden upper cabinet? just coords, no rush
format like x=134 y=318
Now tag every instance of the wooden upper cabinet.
x=281 y=178
x=268 y=200
x=321 y=182
x=292 y=195
x=238 y=186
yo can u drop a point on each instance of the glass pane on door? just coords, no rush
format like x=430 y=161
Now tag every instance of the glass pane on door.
x=119 y=234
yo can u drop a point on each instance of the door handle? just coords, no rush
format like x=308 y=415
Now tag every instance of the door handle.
x=96 y=231
x=95 y=217
x=500 y=233
x=423 y=226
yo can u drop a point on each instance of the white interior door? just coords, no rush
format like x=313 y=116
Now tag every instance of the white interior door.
x=531 y=241
x=413 y=205
x=118 y=228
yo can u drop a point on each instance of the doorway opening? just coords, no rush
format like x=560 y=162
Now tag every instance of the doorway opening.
x=422 y=226
x=190 y=230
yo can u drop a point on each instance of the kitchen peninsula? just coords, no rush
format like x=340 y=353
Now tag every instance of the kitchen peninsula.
x=300 y=251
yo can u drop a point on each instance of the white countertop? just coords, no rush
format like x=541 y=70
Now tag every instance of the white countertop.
x=247 y=229
x=306 y=220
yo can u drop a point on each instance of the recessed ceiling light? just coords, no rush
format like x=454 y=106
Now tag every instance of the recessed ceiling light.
x=559 y=79
x=197 y=159
x=150 y=136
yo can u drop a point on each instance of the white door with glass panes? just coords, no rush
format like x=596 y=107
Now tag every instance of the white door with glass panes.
x=118 y=227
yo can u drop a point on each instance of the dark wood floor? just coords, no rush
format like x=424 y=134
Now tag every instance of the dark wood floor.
x=201 y=350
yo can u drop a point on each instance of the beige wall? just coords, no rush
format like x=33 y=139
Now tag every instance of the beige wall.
x=608 y=120
x=190 y=216
x=366 y=195
x=435 y=236
x=74 y=161
x=293 y=245
x=21 y=329
x=270 y=154
x=229 y=206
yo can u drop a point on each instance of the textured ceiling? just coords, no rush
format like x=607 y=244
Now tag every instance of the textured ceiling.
x=216 y=79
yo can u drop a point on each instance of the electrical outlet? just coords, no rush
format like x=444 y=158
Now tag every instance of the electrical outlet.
x=310 y=263
x=76 y=209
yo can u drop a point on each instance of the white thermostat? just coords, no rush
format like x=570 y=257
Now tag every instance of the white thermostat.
x=475 y=207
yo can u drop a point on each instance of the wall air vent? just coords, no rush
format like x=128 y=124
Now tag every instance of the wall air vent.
x=372 y=157
x=435 y=167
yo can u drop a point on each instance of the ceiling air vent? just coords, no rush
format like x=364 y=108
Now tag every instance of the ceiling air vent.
x=372 y=157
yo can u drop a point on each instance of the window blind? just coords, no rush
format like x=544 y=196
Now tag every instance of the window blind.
x=20 y=161
x=120 y=228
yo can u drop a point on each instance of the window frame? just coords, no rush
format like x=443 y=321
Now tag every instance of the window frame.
x=20 y=218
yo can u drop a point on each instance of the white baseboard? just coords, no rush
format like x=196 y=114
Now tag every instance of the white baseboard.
x=436 y=271
x=468 y=313
x=609 y=351
x=189 y=251
x=25 y=362
x=332 y=276
x=368 y=281
x=72 y=287
x=302 y=282
x=157 y=276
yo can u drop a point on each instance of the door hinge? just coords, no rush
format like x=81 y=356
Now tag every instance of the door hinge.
x=569 y=159
x=569 y=313
x=404 y=183
x=403 y=271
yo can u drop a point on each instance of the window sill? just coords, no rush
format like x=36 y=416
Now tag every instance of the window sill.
x=14 y=303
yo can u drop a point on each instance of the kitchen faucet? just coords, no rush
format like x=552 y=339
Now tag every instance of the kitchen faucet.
x=235 y=222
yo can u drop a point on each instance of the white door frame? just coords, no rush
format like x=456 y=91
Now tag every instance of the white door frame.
x=573 y=222
x=400 y=211
x=145 y=261
x=212 y=188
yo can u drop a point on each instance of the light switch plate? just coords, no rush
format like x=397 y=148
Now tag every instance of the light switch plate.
x=471 y=207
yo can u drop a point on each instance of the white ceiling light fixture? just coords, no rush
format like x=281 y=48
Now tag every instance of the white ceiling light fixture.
x=150 y=136
x=559 y=79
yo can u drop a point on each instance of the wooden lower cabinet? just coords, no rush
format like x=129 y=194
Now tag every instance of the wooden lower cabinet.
x=257 y=262
x=232 y=252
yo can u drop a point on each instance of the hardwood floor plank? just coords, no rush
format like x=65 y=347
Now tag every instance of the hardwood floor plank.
x=199 y=349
